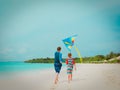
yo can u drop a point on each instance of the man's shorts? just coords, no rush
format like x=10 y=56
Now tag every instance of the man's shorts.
x=57 y=67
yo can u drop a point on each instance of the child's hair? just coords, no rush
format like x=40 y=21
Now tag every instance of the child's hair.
x=69 y=54
x=58 y=48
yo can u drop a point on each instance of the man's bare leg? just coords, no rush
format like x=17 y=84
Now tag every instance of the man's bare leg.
x=56 y=78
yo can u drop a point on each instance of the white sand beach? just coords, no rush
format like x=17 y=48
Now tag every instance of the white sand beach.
x=86 y=77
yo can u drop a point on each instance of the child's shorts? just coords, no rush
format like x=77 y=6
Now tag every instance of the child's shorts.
x=69 y=70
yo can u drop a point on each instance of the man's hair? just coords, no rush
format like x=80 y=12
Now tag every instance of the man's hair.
x=69 y=54
x=58 y=48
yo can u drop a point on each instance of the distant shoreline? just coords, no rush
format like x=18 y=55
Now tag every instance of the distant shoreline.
x=109 y=58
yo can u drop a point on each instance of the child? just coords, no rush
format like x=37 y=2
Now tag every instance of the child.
x=70 y=64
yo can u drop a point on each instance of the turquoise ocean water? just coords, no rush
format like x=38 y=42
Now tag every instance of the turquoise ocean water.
x=21 y=66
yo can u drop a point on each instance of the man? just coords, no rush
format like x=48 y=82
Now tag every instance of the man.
x=57 y=63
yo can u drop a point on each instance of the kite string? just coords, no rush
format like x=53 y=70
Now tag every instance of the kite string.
x=78 y=53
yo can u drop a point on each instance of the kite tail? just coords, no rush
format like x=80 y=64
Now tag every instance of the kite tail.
x=78 y=53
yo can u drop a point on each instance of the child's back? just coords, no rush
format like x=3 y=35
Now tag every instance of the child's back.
x=70 y=62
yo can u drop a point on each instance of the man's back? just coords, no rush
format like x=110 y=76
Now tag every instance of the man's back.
x=57 y=57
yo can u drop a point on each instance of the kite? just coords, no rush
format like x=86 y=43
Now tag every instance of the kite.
x=69 y=43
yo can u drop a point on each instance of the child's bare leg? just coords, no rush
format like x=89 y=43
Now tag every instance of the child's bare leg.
x=68 y=78
x=71 y=77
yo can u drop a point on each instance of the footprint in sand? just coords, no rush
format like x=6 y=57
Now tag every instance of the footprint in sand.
x=111 y=78
x=54 y=86
x=69 y=86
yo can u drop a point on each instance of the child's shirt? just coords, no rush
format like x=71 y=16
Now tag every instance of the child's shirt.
x=70 y=62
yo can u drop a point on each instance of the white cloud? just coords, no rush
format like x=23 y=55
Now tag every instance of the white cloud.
x=22 y=50
x=6 y=50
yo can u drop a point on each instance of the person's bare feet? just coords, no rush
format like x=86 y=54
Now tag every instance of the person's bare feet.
x=56 y=81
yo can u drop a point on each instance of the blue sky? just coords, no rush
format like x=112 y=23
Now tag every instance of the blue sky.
x=34 y=28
